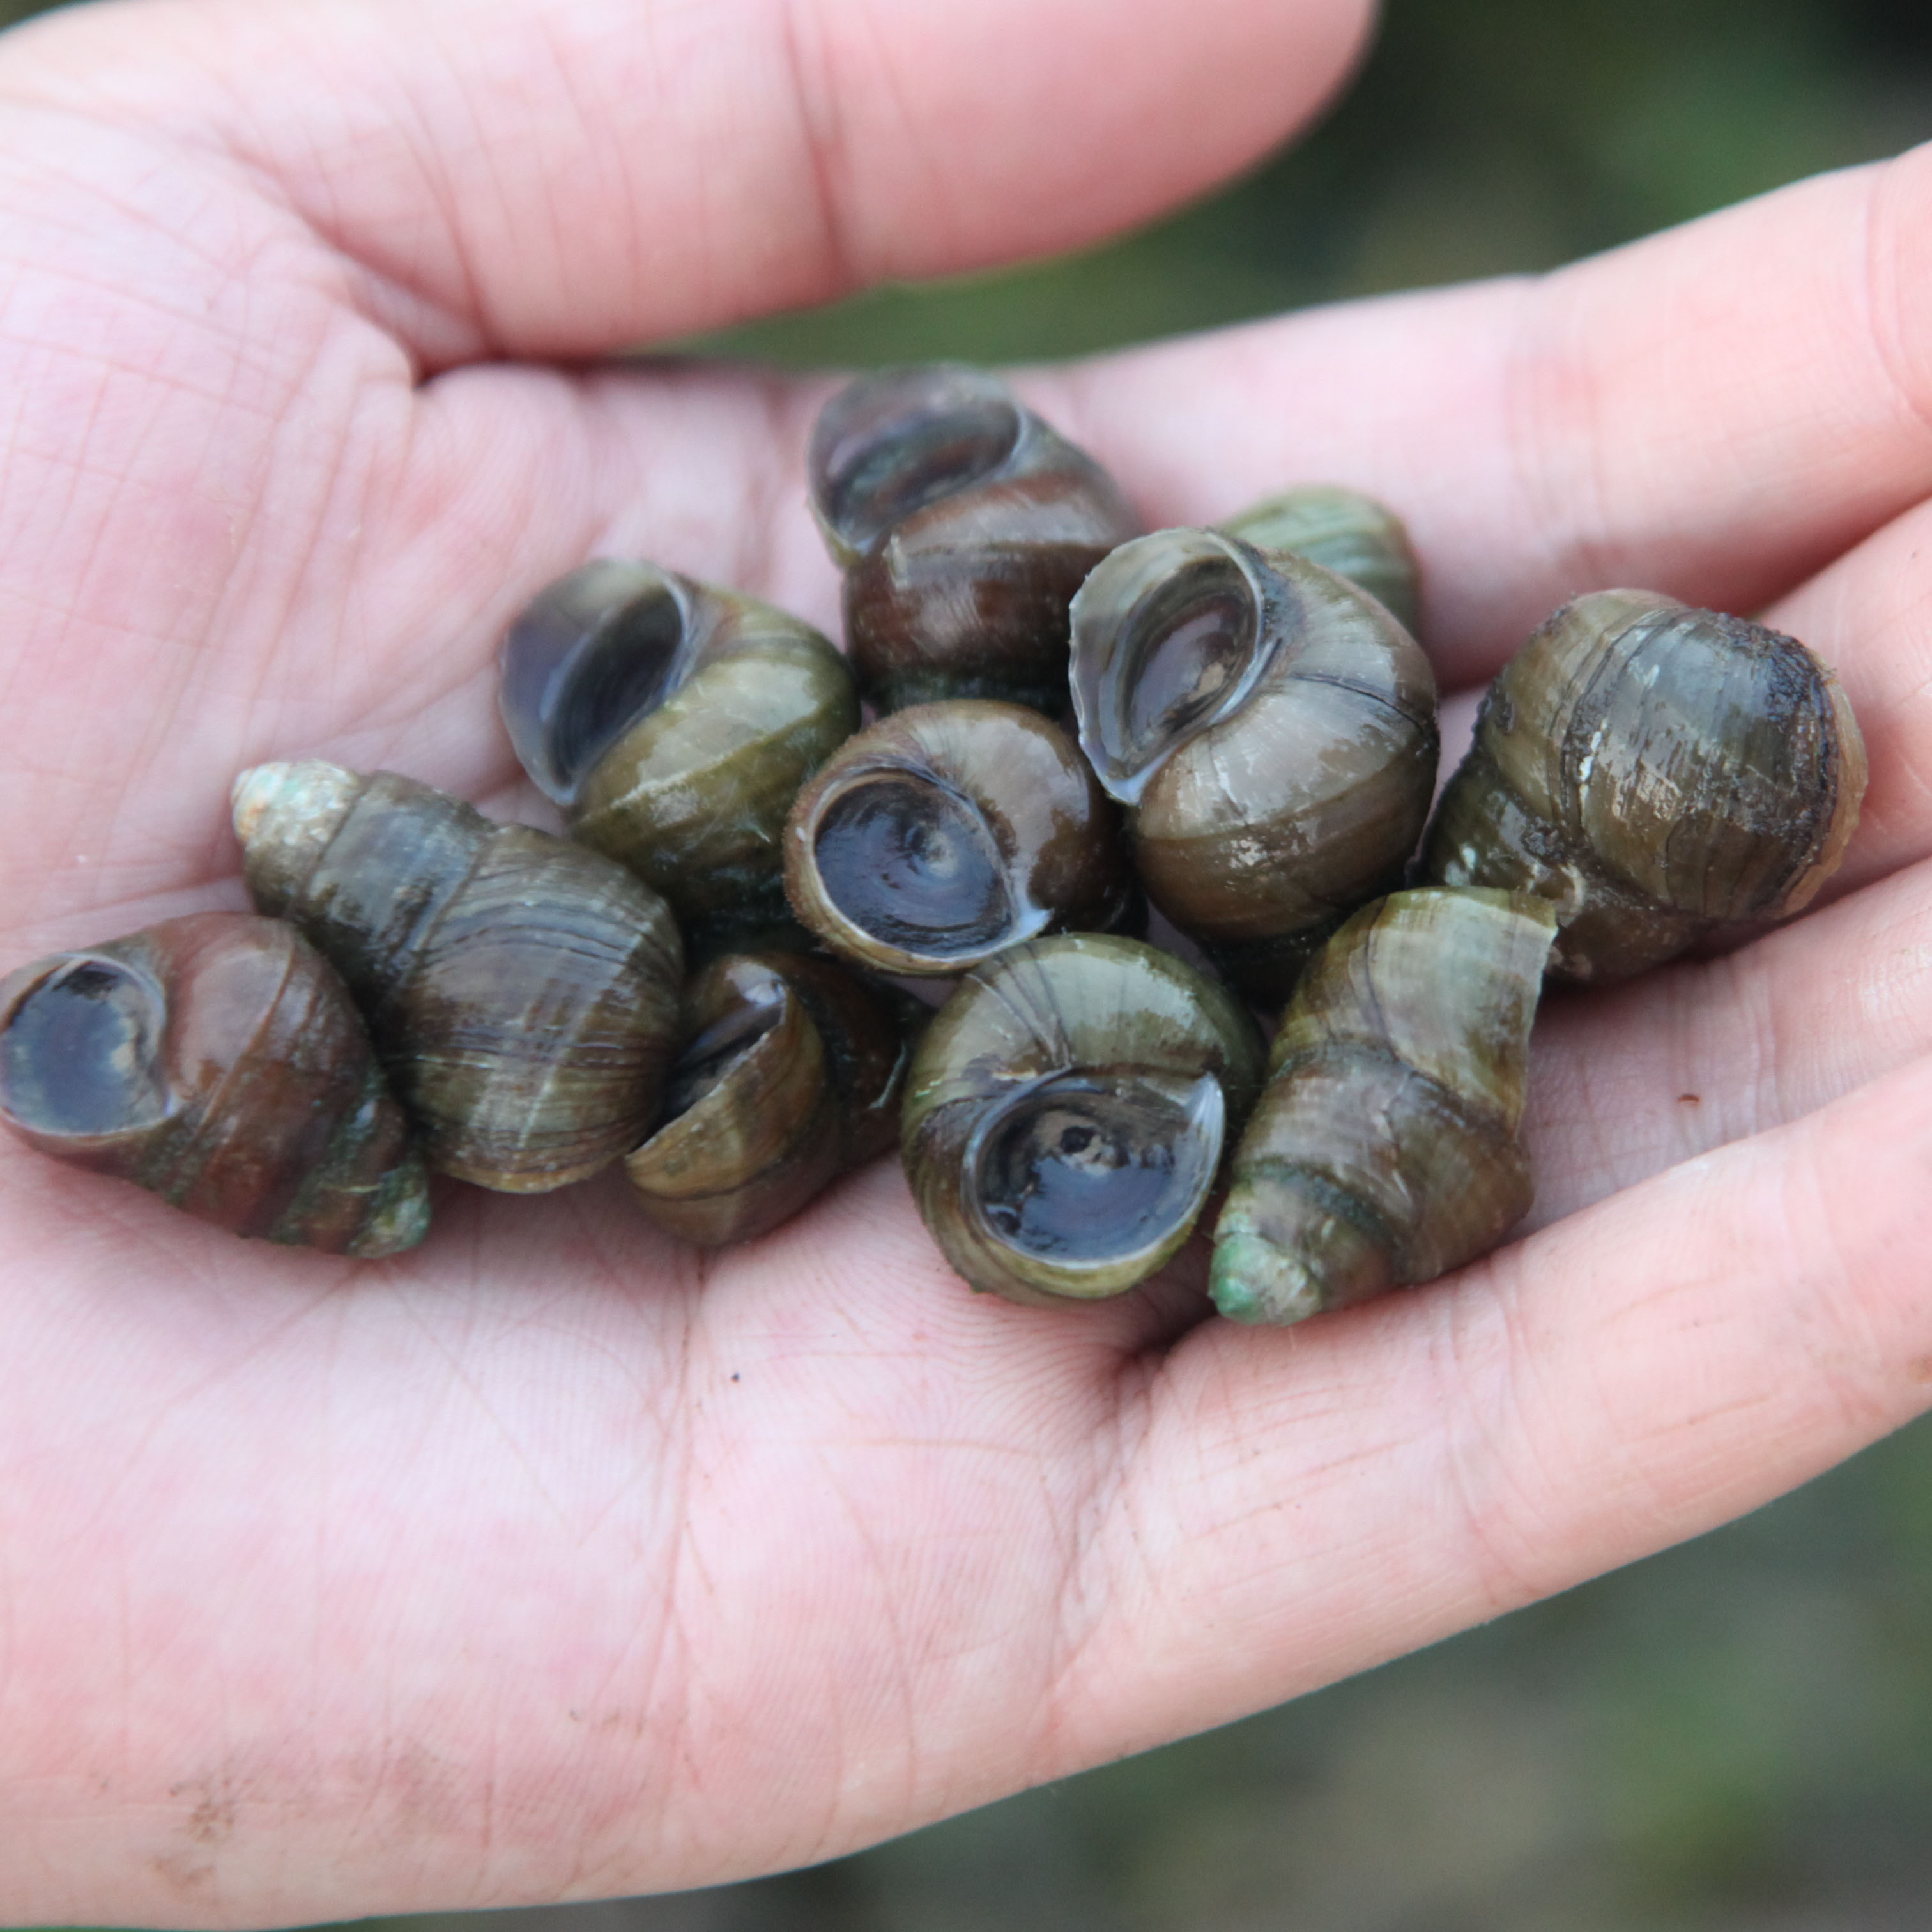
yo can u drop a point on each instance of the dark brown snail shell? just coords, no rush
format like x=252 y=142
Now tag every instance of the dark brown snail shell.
x=1272 y=729
x=940 y=835
x=963 y=525
x=521 y=990
x=674 y=723
x=216 y=1060
x=1345 y=532
x=1655 y=771
x=1384 y=1149
x=791 y=1073
x=1067 y=1114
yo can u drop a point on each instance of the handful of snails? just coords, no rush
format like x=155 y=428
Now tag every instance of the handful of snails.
x=1252 y=751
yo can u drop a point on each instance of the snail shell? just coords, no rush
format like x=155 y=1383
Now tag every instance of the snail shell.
x=1384 y=1149
x=674 y=723
x=1655 y=771
x=963 y=525
x=791 y=1073
x=1067 y=1112
x=1345 y=532
x=521 y=990
x=216 y=1060
x=946 y=832
x=1272 y=729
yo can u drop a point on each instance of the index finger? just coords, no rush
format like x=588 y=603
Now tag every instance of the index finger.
x=570 y=178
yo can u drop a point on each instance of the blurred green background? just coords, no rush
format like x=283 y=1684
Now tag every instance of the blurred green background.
x=1735 y=1736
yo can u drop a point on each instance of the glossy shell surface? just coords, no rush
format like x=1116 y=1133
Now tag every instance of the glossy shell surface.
x=674 y=722
x=945 y=833
x=1344 y=531
x=522 y=990
x=216 y=1060
x=1654 y=771
x=791 y=1073
x=1272 y=731
x=1067 y=1114
x=1385 y=1149
x=963 y=525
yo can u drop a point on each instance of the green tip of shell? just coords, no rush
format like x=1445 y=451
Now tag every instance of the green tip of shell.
x=1254 y=1280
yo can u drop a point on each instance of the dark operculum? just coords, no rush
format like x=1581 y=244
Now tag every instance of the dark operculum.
x=591 y=655
x=891 y=444
x=914 y=864
x=79 y=1053
x=707 y=1062
x=1165 y=644
x=1089 y=1168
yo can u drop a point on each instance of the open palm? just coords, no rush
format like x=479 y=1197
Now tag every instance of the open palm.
x=552 y=1560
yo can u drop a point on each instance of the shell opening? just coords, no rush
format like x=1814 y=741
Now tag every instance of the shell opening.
x=591 y=655
x=890 y=444
x=1089 y=1169
x=80 y=1053
x=1166 y=643
x=913 y=865
x=707 y=1061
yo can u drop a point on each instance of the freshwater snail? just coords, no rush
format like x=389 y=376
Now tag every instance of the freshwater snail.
x=945 y=832
x=674 y=723
x=216 y=1060
x=521 y=989
x=1272 y=730
x=1067 y=1112
x=791 y=1073
x=1384 y=1148
x=963 y=525
x=1655 y=771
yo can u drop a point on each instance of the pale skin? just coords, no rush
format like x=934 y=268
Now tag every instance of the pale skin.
x=551 y=1561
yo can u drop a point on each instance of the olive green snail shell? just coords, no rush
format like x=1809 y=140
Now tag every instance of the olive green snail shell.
x=216 y=1060
x=1655 y=771
x=791 y=1073
x=1384 y=1149
x=963 y=525
x=1067 y=1113
x=1270 y=727
x=946 y=832
x=521 y=989
x=674 y=723
x=1344 y=531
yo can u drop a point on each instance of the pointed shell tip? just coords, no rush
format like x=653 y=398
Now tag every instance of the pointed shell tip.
x=1255 y=1281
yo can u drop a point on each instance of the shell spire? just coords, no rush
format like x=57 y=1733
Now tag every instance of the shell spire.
x=521 y=989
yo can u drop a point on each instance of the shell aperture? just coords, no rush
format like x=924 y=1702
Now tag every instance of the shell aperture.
x=1085 y=1169
x=1189 y=648
x=589 y=655
x=1270 y=728
x=914 y=865
x=791 y=1073
x=963 y=523
x=80 y=1053
x=1067 y=1112
x=675 y=721
x=884 y=449
x=944 y=832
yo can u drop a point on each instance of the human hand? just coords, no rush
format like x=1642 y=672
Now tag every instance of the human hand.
x=551 y=1560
